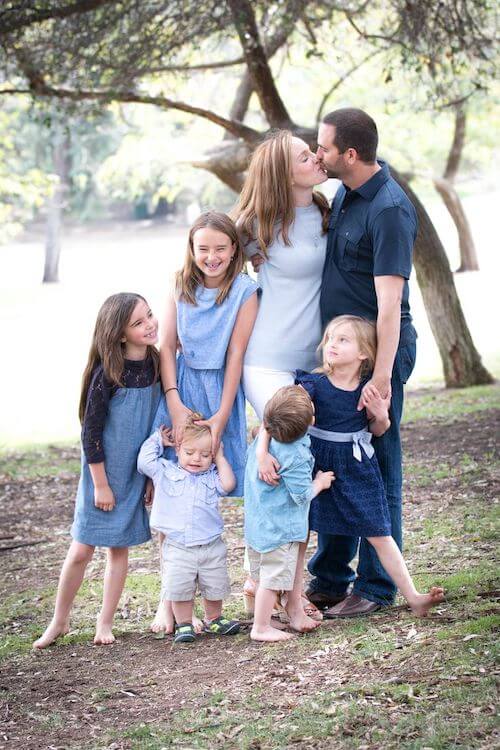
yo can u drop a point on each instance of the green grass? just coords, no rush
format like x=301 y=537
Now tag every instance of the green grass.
x=446 y=405
x=33 y=461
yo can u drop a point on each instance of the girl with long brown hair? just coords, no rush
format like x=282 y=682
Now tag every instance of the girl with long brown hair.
x=210 y=314
x=119 y=398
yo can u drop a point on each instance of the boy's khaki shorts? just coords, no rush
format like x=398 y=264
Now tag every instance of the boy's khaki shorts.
x=184 y=569
x=276 y=569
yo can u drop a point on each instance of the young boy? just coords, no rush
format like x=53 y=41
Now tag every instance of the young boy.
x=186 y=510
x=276 y=516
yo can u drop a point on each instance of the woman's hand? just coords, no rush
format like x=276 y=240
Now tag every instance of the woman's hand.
x=104 y=498
x=257 y=260
x=216 y=425
x=180 y=414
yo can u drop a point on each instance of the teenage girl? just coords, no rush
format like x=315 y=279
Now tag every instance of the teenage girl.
x=209 y=319
x=119 y=398
x=355 y=504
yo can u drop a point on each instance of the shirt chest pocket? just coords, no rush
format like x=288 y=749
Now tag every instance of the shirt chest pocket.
x=348 y=244
x=174 y=486
x=206 y=492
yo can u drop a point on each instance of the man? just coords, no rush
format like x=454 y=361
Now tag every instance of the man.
x=371 y=234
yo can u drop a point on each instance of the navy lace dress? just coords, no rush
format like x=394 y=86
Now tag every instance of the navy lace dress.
x=355 y=504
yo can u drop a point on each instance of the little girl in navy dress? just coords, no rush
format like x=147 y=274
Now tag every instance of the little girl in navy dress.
x=120 y=395
x=355 y=504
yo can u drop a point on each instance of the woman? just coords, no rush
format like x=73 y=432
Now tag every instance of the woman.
x=283 y=221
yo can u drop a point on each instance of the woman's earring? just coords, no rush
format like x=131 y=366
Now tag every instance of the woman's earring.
x=231 y=258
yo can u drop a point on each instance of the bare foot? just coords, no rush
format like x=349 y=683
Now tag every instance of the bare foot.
x=53 y=632
x=103 y=634
x=424 y=602
x=164 y=619
x=269 y=634
x=301 y=623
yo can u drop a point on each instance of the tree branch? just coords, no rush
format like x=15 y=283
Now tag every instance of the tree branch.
x=258 y=66
x=341 y=80
x=39 y=88
x=18 y=20
x=455 y=153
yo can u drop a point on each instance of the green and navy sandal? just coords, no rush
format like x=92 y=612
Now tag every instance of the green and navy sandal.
x=222 y=626
x=184 y=633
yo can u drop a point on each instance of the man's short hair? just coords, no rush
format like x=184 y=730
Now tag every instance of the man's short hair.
x=288 y=414
x=354 y=129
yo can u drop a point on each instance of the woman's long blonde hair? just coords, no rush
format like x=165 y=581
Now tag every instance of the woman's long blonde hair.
x=267 y=195
x=190 y=277
x=366 y=336
x=107 y=347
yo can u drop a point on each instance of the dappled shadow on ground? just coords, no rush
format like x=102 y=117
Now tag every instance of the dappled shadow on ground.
x=335 y=688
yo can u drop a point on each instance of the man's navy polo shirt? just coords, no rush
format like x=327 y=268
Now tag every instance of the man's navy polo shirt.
x=371 y=233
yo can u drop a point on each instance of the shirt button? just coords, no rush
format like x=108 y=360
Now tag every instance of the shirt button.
x=347 y=234
x=193 y=354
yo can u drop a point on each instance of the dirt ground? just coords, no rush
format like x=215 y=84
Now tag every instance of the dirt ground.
x=79 y=695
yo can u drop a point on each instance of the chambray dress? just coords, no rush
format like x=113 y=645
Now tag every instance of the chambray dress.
x=129 y=414
x=355 y=504
x=204 y=332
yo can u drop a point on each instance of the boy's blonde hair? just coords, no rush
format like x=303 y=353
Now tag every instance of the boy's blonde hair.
x=288 y=414
x=194 y=431
x=190 y=277
x=366 y=336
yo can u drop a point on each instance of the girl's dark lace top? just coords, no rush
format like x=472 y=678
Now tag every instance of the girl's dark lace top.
x=136 y=374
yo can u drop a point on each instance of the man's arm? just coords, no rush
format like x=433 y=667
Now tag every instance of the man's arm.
x=389 y=290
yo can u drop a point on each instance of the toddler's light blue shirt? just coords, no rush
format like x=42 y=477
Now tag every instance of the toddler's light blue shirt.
x=185 y=506
x=276 y=515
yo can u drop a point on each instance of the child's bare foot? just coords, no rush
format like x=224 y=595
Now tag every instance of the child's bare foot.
x=421 y=605
x=53 y=631
x=301 y=623
x=164 y=619
x=103 y=634
x=269 y=634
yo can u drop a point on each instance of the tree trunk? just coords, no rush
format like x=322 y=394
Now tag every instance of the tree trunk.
x=60 y=152
x=462 y=364
x=257 y=64
x=445 y=188
x=468 y=255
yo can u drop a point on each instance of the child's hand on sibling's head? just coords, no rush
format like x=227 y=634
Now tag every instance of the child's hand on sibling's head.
x=268 y=468
x=166 y=436
x=104 y=498
x=324 y=479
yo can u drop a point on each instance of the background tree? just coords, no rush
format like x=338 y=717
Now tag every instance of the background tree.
x=77 y=57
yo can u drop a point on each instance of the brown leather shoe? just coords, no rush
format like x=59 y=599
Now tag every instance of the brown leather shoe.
x=322 y=601
x=352 y=606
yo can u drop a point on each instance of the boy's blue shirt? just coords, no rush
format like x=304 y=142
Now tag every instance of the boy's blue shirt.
x=276 y=515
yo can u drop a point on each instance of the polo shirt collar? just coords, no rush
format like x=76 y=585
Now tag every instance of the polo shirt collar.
x=370 y=188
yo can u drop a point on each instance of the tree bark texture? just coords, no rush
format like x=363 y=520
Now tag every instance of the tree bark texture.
x=451 y=199
x=462 y=364
x=60 y=150
x=445 y=187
